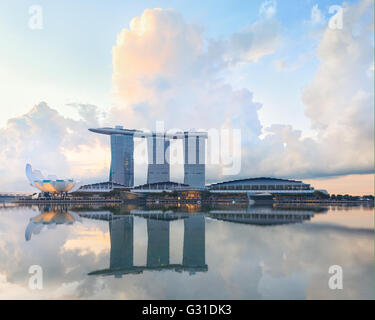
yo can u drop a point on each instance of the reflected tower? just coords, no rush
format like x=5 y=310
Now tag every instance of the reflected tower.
x=122 y=241
x=158 y=258
x=158 y=243
x=194 y=243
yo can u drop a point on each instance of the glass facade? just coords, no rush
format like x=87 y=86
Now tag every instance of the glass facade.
x=122 y=153
x=194 y=160
x=158 y=159
x=251 y=185
x=122 y=160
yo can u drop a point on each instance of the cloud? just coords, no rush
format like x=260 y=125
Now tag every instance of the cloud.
x=164 y=68
x=339 y=102
x=48 y=140
x=340 y=99
x=259 y=39
x=181 y=82
x=284 y=65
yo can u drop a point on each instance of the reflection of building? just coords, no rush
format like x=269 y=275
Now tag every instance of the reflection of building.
x=158 y=242
x=122 y=152
x=158 y=231
x=49 y=216
x=121 y=232
x=254 y=215
x=262 y=217
x=266 y=215
x=194 y=247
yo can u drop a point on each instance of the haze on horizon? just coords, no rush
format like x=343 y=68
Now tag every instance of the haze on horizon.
x=300 y=91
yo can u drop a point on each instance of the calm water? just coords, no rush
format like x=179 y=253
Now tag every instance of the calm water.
x=255 y=252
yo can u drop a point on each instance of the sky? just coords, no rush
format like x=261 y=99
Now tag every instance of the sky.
x=294 y=78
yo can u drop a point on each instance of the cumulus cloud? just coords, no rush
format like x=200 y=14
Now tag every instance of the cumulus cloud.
x=340 y=99
x=259 y=39
x=176 y=76
x=340 y=104
x=164 y=68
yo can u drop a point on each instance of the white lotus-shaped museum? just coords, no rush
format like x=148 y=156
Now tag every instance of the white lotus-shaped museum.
x=51 y=185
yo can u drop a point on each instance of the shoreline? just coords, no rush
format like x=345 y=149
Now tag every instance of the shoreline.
x=163 y=201
x=65 y=201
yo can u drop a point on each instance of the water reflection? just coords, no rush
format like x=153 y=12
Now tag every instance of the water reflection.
x=121 y=229
x=218 y=252
x=50 y=216
x=158 y=246
x=158 y=233
x=264 y=215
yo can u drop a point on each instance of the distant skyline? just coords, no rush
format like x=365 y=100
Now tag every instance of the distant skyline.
x=300 y=91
